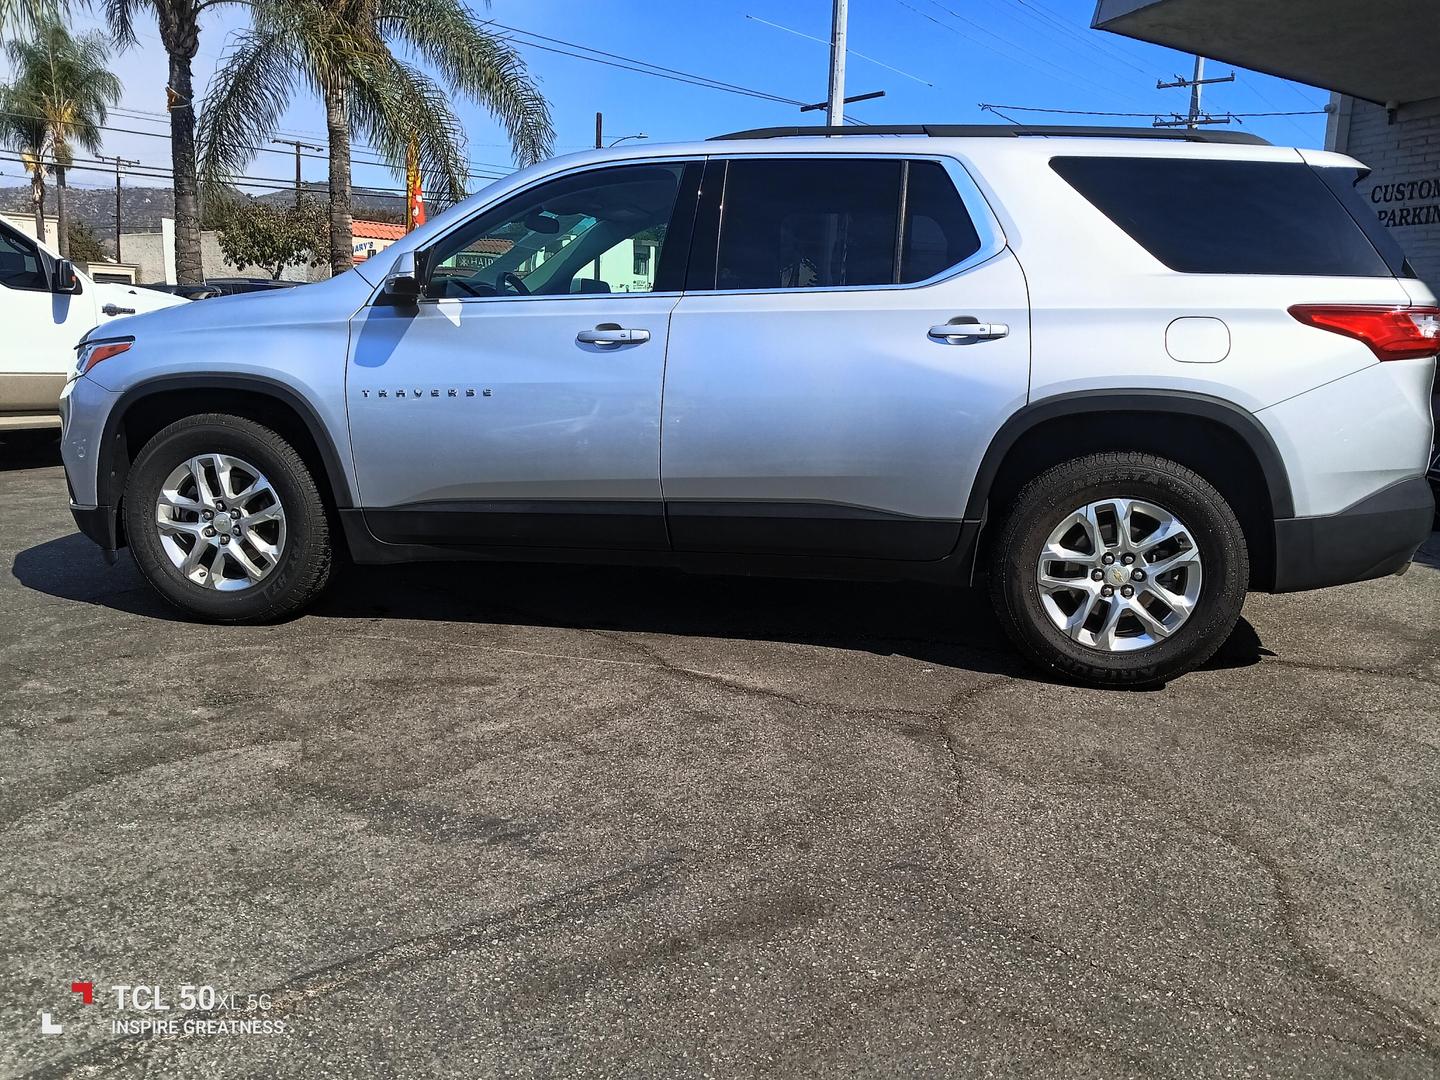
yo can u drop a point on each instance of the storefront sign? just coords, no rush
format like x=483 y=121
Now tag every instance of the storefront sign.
x=1407 y=202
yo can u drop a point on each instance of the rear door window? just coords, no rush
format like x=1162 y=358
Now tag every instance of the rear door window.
x=812 y=223
x=1206 y=216
x=832 y=222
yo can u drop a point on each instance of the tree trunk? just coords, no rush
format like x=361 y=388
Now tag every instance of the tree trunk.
x=181 y=43
x=62 y=219
x=337 y=128
x=37 y=196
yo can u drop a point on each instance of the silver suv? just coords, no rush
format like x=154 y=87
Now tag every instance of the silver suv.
x=1125 y=377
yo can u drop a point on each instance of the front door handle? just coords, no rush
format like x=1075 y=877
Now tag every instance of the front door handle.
x=954 y=333
x=610 y=334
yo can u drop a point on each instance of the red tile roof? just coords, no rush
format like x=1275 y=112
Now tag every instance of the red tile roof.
x=375 y=230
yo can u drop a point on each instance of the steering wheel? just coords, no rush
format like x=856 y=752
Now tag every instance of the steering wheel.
x=462 y=283
x=512 y=279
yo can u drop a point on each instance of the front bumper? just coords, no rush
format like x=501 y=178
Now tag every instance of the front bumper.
x=1376 y=536
x=97 y=523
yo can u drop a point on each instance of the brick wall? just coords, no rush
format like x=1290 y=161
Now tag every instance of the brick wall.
x=1403 y=190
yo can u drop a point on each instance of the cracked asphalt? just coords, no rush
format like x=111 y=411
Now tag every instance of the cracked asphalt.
x=550 y=822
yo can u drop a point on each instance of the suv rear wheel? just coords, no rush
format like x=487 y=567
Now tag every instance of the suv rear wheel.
x=225 y=521
x=1119 y=568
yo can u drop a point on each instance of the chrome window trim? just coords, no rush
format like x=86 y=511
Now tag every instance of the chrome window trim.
x=987 y=226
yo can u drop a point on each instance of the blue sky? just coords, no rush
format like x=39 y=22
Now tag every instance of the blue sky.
x=937 y=60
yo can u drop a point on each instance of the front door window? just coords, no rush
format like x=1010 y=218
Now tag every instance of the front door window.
x=600 y=231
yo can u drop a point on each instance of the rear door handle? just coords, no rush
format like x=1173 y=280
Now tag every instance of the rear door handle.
x=956 y=332
x=609 y=334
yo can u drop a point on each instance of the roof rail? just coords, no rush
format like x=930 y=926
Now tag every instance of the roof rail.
x=1002 y=131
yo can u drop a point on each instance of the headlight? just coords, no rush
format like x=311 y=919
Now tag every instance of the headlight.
x=90 y=353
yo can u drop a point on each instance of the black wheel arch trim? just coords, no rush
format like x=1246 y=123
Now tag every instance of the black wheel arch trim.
x=1238 y=420
x=111 y=481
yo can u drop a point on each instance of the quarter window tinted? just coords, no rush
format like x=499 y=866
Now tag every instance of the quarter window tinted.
x=600 y=231
x=20 y=264
x=1227 y=217
x=832 y=222
x=938 y=231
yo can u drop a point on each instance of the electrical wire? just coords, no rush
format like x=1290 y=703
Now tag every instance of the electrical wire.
x=1158 y=112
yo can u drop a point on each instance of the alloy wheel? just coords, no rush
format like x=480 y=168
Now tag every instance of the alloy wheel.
x=1118 y=575
x=221 y=522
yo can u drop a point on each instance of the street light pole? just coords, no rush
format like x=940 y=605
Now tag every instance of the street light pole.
x=835 y=115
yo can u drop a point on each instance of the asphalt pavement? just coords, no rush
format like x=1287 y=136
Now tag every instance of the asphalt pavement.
x=547 y=822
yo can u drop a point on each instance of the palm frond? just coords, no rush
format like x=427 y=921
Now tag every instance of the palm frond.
x=247 y=99
x=397 y=102
x=23 y=17
x=479 y=64
x=120 y=15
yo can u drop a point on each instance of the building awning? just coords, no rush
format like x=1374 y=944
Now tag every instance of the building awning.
x=1381 y=50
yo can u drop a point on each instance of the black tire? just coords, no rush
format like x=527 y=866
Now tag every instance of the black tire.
x=1044 y=503
x=303 y=567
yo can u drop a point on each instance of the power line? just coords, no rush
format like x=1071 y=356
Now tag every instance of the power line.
x=256 y=149
x=1097 y=112
x=627 y=63
x=852 y=52
x=1090 y=38
x=160 y=172
x=379 y=163
x=1067 y=74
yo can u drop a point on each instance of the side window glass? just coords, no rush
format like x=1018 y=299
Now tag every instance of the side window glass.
x=938 y=231
x=808 y=223
x=599 y=231
x=20 y=264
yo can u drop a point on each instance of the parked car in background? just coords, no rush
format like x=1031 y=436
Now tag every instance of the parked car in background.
x=232 y=286
x=187 y=292
x=1123 y=377
x=46 y=305
x=223 y=286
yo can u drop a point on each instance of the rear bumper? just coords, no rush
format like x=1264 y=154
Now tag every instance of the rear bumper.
x=1376 y=536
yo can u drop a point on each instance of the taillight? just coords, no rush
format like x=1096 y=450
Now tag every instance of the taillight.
x=1393 y=333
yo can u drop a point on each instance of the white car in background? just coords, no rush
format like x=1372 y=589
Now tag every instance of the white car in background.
x=46 y=306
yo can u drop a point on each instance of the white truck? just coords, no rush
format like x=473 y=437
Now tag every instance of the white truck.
x=46 y=306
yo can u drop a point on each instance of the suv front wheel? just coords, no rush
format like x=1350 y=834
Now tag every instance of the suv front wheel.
x=1119 y=569
x=225 y=520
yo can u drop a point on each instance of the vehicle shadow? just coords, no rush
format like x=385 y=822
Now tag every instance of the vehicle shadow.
x=946 y=627
x=1429 y=553
x=29 y=449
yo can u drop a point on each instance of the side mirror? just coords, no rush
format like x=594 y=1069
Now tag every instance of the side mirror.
x=402 y=284
x=63 y=277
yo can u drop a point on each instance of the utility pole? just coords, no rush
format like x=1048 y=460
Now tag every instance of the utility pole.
x=119 y=163
x=298 y=145
x=599 y=130
x=1197 y=117
x=839 y=16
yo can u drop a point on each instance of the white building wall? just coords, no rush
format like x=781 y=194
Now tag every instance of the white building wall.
x=1403 y=188
x=153 y=255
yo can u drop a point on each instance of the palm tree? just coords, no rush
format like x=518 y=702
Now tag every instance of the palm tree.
x=342 y=51
x=63 y=86
x=25 y=134
x=179 y=25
